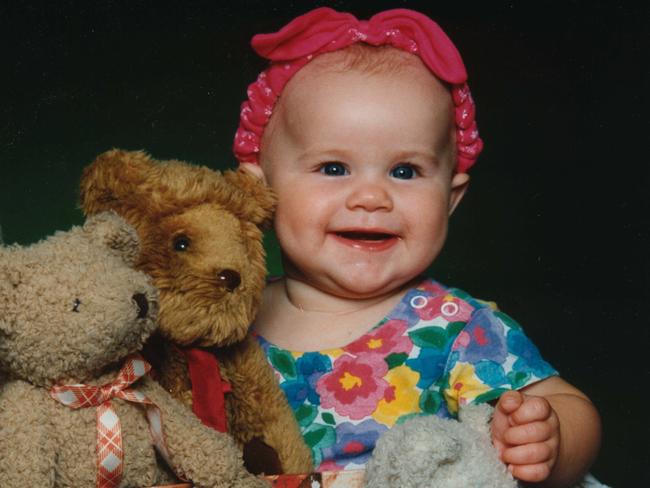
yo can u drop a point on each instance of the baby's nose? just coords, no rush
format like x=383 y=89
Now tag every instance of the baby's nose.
x=370 y=197
x=229 y=279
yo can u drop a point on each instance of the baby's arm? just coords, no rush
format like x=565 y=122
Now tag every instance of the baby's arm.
x=549 y=432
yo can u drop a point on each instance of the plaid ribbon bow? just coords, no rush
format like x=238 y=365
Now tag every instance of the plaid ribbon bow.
x=110 y=455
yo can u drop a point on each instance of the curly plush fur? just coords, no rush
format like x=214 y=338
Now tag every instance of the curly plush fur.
x=71 y=309
x=428 y=452
x=202 y=246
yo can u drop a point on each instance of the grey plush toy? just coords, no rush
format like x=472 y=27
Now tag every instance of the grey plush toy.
x=428 y=451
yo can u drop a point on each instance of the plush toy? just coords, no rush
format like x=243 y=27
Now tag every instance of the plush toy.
x=202 y=246
x=428 y=451
x=77 y=407
x=431 y=452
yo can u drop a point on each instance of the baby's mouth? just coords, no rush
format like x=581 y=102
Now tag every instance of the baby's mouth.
x=365 y=236
x=367 y=240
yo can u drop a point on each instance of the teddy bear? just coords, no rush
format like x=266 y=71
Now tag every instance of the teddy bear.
x=77 y=407
x=201 y=233
x=428 y=451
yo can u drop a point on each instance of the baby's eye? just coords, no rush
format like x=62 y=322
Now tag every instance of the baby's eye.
x=333 y=169
x=403 y=172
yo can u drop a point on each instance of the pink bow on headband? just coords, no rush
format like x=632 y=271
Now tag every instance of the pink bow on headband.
x=325 y=30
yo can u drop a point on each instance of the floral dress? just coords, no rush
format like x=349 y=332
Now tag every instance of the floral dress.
x=439 y=349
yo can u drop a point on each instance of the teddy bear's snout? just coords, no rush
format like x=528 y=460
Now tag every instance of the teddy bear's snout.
x=229 y=279
x=143 y=304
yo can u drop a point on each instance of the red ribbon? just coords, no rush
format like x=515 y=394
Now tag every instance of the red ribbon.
x=208 y=388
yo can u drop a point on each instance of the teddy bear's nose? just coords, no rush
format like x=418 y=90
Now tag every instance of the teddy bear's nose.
x=229 y=279
x=142 y=303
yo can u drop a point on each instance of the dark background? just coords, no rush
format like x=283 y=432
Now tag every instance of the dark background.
x=554 y=227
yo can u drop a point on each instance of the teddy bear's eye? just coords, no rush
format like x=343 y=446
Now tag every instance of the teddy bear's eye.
x=75 y=305
x=181 y=243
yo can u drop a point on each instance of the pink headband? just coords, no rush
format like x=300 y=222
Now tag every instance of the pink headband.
x=324 y=30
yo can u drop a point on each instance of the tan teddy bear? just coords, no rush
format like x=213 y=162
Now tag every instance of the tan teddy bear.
x=202 y=246
x=75 y=402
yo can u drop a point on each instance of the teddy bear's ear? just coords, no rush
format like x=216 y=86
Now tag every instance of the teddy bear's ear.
x=111 y=230
x=114 y=181
x=258 y=201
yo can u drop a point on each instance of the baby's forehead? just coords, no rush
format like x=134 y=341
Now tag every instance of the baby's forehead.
x=354 y=78
x=375 y=62
x=336 y=111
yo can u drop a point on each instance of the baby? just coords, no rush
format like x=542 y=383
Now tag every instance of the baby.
x=366 y=130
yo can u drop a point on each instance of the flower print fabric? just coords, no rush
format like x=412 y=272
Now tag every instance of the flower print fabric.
x=438 y=350
x=355 y=385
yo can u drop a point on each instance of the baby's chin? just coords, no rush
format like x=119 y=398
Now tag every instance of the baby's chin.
x=364 y=289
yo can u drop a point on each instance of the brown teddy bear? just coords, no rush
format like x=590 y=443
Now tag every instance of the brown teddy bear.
x=202 y=245
x=75 y=402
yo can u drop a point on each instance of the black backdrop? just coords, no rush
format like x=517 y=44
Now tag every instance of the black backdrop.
x=554 y=227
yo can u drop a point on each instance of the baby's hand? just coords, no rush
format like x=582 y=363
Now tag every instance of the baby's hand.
x=526 y=433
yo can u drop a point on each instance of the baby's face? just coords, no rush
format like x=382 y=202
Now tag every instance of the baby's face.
x=363 y=168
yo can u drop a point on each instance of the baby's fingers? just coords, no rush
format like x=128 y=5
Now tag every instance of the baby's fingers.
x=532 y=409
x=509 y=402
x=528 y=433
x=539 y=452
x=531 y=472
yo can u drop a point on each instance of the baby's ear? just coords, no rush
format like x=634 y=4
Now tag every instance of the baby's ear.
x=257 y=201
x=459 y=185
x=254 y=169
x=111 y=230
x=114 y=181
